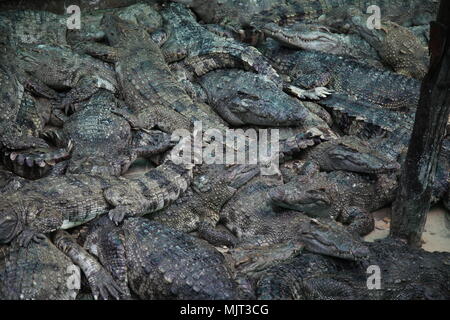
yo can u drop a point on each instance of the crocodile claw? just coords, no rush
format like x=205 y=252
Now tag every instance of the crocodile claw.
x=103 y=285
x=26 y=236
x=117 y=215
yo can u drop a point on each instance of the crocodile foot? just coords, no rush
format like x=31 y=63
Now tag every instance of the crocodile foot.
x=103 y=285
x=26 y=236
x=312 y=94
x=117 y=215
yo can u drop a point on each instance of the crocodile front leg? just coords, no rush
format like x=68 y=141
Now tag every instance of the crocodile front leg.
x=100 y=281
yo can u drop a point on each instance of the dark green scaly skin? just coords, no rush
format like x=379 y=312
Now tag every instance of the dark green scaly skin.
x=242 y=16
x=39 y=272
x=23 y=118
x=319 y=38
x=99 y=280
x=294 y=279
x=142 y=14
x=157 y=262
x=214 y=185
x=149 y=88
x=368 y=86
x=63 y=202
x=204 y=51
x=345 y=196
x=102 y=137
x=406 y=274
x=199 y=208
x=33 y=163
x=375 y=102
x=306 y=153
x=253 y=220
x=12 y=90
x=243 y=98
x=371 y=105
x=397 y=46
x=60 y=68
x=349 y=153
x=34 y=27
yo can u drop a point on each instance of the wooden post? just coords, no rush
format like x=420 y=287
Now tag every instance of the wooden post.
x=409 y=210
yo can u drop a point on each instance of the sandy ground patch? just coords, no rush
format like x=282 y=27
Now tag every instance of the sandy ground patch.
x=436 y=236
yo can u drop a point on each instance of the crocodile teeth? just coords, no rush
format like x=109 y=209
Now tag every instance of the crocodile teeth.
x=40 y=163
x=13 y=156
x=29 y=161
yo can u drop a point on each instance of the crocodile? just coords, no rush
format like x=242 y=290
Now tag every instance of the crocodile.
x=311 y=68
x=243 y=17
x=14 y=92
x=250 y=216
x=39 y=272
x=34 y=27
x=62 y=69
x=142 y=14
x=198 y=209
x=318 y=37
x=246 y=98
x=149 y=89
x=368 y=96
x=102 y=137
x=156 y=262
x=26 y=108
x=200 y=51
x=345 y=196
x=398 y=47
x=406 y=274
x=44 y=27
x=204 y=51
x=100 y=281
x=63 y=202
x=214 y=185
x=33 y=163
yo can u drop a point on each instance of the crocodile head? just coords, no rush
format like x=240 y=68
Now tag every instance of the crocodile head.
x=332 y=239
x=306 y=37
x=308 y=194
x=10 y=223
x=352 y=154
